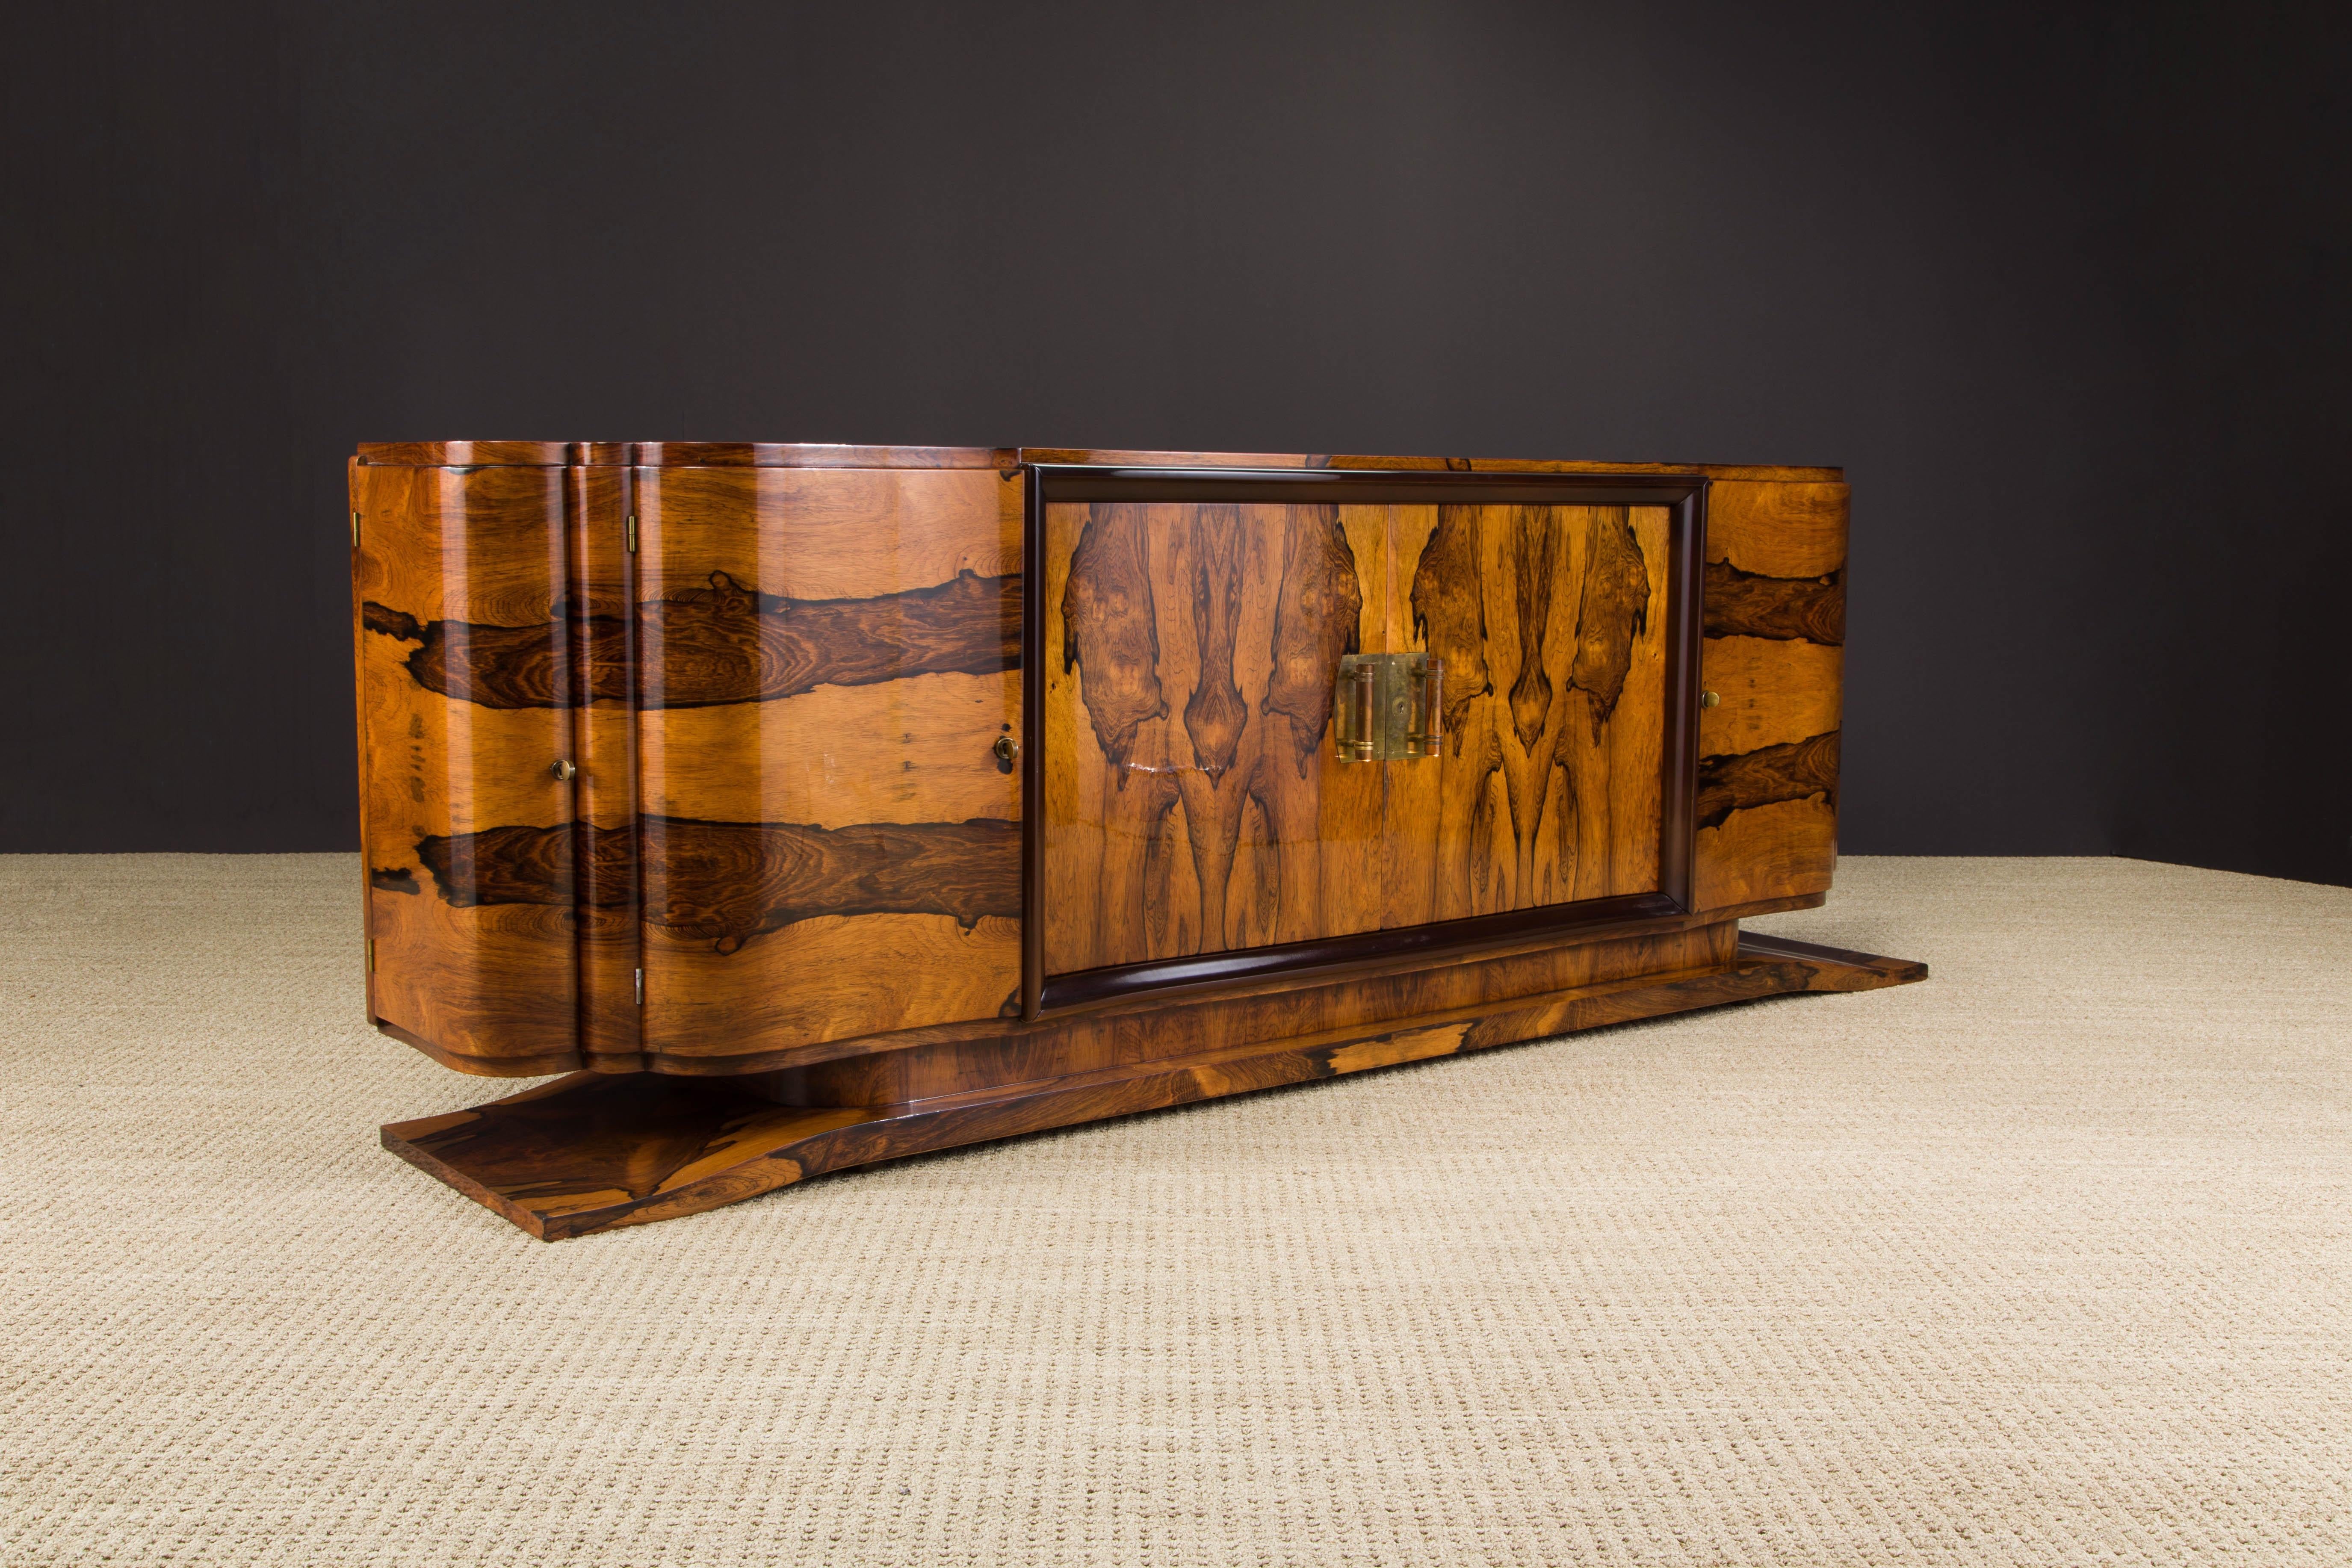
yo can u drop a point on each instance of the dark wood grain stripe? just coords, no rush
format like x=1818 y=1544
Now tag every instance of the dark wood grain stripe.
x=1110 y=631
x=1533 y=538
x=1613 y=613
x=1449 y=609
x=729 y=643
x=1317 y=613
x=728 y=882
x=1743 y=605
x=721 y=643
x=509 y=864
x=496 y=666
x=1796 y=770
x=1215 y=715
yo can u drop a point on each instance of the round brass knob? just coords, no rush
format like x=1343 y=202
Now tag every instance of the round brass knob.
x=1006 y=748
x=563 y=768
x=1709 y=700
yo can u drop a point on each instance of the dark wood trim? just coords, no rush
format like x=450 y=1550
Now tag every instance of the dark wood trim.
x=1686 y=619
x=823 y=455
x=1069 y=457
x=1033 y=746
x=1361 y=952
x=673 y=454
x=1684 y=495
x=1359 y=487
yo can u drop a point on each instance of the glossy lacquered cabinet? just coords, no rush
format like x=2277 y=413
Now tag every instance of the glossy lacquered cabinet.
x=811 y=805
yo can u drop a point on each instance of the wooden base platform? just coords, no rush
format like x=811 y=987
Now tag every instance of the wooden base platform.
x=593 y=1151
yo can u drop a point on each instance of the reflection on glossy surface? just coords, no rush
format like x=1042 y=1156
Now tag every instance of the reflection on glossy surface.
x=1504 y=665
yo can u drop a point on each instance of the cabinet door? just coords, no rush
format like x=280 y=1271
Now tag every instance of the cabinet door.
x=1552 y=622
x=1775 y=652
x=831 y=845
x=465 y=695
x=1194 y=803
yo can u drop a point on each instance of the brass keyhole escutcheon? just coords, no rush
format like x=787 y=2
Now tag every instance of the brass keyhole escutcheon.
x=1006 y=748
x=562 y=770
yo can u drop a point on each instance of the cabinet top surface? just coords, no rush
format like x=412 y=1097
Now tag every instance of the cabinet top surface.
x=776 y=455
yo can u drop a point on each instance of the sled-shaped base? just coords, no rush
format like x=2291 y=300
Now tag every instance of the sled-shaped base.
x=594 y=1151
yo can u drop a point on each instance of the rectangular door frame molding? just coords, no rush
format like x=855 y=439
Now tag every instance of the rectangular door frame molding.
x=1685 y=497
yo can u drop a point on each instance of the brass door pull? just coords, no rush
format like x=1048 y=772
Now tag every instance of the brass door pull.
x=1424 y=731
x=1388 y=705
x=1359 y=743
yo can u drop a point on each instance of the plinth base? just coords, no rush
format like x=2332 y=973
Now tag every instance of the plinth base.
x=595 y=1150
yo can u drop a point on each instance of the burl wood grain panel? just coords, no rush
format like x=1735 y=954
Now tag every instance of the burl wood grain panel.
x=1774 y=654
x=1552 y=624
x=1191 y=802
x=491 y=985
x=1194 y=801
x=593 y=1153
x=826 y=657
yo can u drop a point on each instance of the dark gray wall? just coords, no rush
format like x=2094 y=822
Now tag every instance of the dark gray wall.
x=2064 y=294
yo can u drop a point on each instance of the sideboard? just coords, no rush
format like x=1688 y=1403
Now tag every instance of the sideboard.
x=810 y=806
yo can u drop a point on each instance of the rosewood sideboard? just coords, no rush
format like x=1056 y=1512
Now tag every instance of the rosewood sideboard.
x=807 y=807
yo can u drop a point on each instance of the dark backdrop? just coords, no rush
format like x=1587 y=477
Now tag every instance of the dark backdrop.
x=2064 y=291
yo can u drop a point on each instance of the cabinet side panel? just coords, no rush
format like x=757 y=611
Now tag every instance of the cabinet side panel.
x=359 y=484
x=827 y=658
x=465 y=688
x=1774 y=657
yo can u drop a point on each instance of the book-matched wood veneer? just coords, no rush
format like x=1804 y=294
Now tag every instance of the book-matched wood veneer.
x=1193 y=802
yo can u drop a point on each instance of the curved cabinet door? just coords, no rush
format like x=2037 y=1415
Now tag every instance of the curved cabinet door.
x=466 y=746
x=827 y=659
x=1774 y=656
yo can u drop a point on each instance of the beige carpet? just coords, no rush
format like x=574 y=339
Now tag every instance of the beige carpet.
x=2047 y=1260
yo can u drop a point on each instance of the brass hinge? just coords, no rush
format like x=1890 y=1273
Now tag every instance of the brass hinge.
x=355 y=528
x=629 y=533
x=371 y=942
x=641 y=987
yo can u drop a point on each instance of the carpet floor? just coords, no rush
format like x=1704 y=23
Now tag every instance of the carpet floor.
x=2047 y=1260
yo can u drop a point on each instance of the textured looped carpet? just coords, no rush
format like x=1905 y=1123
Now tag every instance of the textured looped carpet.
x=2044 y=1261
